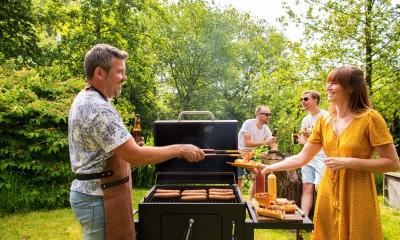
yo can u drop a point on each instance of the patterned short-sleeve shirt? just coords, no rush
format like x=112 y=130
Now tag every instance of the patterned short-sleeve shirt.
x=94 y=130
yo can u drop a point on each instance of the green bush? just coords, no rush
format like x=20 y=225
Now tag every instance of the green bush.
x=144 y=176
x=35 y=170
x=21 y=195
x=34 y=163
x=379 y=183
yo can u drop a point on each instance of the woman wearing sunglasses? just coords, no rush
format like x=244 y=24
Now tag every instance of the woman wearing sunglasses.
x=347 y=204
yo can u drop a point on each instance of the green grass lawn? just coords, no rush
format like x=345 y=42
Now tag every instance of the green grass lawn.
x=61 y=224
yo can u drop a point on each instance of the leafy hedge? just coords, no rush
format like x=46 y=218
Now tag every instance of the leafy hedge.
x=34 y=163
x=35 y=170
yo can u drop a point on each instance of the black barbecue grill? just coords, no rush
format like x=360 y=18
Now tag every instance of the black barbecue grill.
x=209 y=219
x=172 y=218
x=169 y=219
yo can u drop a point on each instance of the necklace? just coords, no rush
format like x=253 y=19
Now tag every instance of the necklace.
x=91 y=88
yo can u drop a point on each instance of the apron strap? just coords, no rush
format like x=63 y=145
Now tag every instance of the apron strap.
x=114 y=183
x=91 y=176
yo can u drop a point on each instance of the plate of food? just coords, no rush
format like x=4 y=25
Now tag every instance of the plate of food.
x=269 y=209
x=243 y=163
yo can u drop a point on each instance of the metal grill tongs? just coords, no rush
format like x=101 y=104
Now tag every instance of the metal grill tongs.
x=213 y=152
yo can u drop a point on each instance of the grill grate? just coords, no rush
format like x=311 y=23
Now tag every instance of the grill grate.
x=202 y=178
x=151 y=199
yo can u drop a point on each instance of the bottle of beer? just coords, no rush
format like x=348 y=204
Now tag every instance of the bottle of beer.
x=295 y=136
x=137 y=131
x=275 y=132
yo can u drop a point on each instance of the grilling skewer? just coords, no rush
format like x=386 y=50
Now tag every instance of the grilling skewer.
x=223 y=154
x=220 y=151
x=213 y=152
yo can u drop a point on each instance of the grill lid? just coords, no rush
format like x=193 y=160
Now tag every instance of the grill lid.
x=206 y=134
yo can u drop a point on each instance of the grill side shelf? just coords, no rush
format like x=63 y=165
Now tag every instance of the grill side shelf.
x=251 y=211
x=255 y=223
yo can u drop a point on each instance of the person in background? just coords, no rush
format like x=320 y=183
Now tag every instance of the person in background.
x=312 y=171
x=255 y=133
x=347 y=204
x=102 y=150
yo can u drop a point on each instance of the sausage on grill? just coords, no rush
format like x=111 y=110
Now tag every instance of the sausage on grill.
x=194 y=198
x=194 y=194
x=166 y=195
x=167 y=190
x=195 y=191
x=221 y=197
x=220 y=190
x=221 y=193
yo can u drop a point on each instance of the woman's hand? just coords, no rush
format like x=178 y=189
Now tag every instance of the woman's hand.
x=336 y=163
x=256 y=170
x=263 y=169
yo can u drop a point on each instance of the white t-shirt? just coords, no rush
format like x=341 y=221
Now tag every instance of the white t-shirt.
x=309 y=122
x=94 y=130
x=257 y=134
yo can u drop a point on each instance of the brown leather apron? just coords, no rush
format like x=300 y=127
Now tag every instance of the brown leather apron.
x=117 y=200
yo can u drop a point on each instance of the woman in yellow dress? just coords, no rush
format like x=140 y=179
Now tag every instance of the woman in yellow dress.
x=347 y=205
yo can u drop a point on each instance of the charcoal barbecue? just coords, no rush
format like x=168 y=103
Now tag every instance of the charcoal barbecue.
x=172 y=218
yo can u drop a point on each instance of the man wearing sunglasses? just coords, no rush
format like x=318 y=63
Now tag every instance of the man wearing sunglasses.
x=312 y=172
x=254 y=133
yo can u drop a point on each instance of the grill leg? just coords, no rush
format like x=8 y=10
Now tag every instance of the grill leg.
x=298 y=235
x=249 y=232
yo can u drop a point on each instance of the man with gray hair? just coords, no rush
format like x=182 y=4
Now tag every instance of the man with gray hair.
x=102 y=150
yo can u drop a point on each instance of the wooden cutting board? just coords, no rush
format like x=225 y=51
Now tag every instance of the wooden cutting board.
x=292 y=217
x=289 y=217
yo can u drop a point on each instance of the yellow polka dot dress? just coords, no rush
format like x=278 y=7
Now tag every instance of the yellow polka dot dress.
x=347 y=204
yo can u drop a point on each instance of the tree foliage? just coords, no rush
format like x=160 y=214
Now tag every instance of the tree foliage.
x=70 y=28
x=184 y=55
x=361 y=33
x=33 y=143
x=18 y=37
x=213 y=59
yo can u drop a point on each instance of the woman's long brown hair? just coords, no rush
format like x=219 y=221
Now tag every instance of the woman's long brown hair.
x=350 y=77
